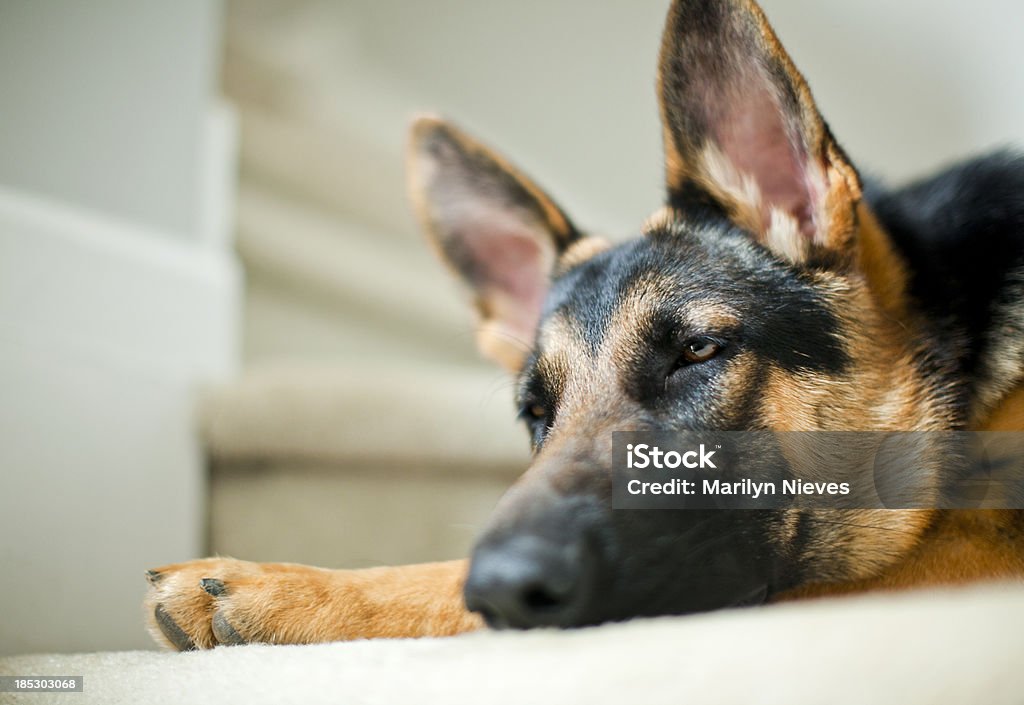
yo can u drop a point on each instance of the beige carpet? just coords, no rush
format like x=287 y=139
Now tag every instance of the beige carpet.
x=944 y=647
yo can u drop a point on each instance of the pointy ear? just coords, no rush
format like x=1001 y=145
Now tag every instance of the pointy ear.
x=494 y=227
x=741 y=129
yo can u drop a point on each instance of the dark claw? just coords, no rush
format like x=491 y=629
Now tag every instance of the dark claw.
x=225 y=633
x=213 y=586
x=154 y=577
x=175 y=634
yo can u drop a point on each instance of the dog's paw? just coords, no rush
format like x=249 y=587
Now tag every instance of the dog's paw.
x=204 y=603
x=201 y=604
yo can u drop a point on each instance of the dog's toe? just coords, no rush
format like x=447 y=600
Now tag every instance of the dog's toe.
x=226 y=634
x=213 y=586
x=175 y=634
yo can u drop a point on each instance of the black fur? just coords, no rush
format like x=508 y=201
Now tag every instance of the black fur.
x=962 y=235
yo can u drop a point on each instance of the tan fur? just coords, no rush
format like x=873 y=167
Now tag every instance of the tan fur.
x=710 y=315
x=884 y=269
x=663 y=219
x=843 y=195
x=1008 y=416
x=948 y=547
x=955 y=547
x=1004 y=371
x=496 y=343
x=579 y=252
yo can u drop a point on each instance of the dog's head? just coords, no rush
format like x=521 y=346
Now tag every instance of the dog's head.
x=763 y=296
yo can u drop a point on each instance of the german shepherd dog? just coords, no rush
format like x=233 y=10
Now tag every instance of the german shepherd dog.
x=774 y=291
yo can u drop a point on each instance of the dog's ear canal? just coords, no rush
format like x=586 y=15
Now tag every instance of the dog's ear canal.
x=494 y=227
x=742 y=132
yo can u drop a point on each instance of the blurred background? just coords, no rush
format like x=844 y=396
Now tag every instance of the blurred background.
x=219 y=329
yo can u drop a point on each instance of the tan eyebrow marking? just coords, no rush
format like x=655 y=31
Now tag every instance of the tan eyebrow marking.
x=710 y=314
x=559 y=344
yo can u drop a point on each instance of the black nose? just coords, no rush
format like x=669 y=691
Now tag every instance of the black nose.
x=527 y=581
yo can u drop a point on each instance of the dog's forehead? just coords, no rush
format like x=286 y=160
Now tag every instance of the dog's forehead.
x=696 y=282
x=651 y=294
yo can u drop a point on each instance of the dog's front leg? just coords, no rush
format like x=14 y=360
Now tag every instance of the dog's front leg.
x=200 y=604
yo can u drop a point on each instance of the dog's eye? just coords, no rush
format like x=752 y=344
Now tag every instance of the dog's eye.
x=537 y=418
x=535 y=412
x=698 y=350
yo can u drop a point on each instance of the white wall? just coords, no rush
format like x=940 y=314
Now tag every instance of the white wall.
x=102 y=104
x=118 y=301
